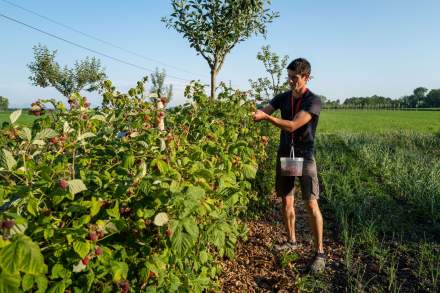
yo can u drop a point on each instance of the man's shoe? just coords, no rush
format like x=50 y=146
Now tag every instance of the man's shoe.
x=287 y=246
x=318 y=264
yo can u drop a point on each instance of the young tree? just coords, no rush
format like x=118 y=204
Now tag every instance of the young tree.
x=214 y=27
x=4 y=103
x=158 y=84
x=268 y=87
x=45 y=71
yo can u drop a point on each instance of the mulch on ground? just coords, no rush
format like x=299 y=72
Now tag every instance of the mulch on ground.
x=257 y=267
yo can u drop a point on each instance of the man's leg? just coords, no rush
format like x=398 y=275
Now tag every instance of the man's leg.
x=284 y=186
x=316 y=222
x=289 y=216
x=310 y=193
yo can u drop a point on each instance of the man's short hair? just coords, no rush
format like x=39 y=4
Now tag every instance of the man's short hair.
x=300 y=66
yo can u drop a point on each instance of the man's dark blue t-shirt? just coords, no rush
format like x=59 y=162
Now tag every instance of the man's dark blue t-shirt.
x=303 y=137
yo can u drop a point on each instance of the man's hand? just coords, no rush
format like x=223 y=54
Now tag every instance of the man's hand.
x=259 y=115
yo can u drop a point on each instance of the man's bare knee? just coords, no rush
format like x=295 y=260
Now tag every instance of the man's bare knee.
x=312 y=206
x=288 y=203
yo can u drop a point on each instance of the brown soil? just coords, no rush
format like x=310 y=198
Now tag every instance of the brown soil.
x=257 y=267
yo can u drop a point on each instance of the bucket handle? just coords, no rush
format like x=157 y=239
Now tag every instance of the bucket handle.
x=292 y=152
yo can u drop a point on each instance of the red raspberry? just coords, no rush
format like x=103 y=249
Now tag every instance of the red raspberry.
x=124 y=286
x=100 y=234
x=86 y=260
x=8 y=224
x=64 y=184
x=93 y=236
x=98 y=251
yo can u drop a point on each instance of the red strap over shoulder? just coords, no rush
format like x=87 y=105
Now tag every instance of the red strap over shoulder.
x=298 y=103
x=298 y=106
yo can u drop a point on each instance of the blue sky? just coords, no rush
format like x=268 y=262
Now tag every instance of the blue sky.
x=356 y=48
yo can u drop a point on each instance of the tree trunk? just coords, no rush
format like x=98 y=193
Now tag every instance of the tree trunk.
x=213 y=85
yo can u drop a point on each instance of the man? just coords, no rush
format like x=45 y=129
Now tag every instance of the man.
x=300 y=110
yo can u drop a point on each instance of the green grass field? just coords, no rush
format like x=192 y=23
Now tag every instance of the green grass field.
x=24 y=119
x=378 y=121
x=380 y=173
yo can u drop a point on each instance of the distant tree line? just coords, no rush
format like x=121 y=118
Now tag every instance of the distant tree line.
x=420 y=98
x=4 y=103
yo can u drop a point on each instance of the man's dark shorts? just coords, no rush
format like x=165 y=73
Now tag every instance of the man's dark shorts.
x=284 y=185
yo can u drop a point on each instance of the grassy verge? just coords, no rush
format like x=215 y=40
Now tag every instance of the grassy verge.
x=385 y=195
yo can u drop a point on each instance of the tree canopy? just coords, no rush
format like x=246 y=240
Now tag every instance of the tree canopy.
x=265 y=88
x=4 y=103
x=158 y=85
x=46 y=72
x=214 y=27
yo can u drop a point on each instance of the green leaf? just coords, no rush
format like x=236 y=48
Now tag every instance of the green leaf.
x=114 y=212
x=45 y=133
x=204 y=173
x=4 y=242
x=76 y=186
x=48 y=233
x=128 y=161
x=203 y=256
x=217 y=237
x=82 y=221
x=22 y=255
x=41 y=283
x=195 y=192
x=82 y=248
x=249 y=171
x=161 y=166
x=58 y=271
x=191 y=227
x=119 y=271
x=66 y=128
x=26 y=134
x=85 y=135
x=161 y=219
x=98 y=117
x=145 y=213
x=32 y=206
x=18 y=229
x=90 y=279
x=27 y=282
x=18 y=219
x=9 y=283
x=95 y=207
x=227 y=180
x=14 y=116
x=7 y=160
x=174 y=186
x=233 y=199
x=180 y=242
x=38 y=142
x=59 y=287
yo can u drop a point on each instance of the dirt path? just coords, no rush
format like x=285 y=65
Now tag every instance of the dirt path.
x=258 y=268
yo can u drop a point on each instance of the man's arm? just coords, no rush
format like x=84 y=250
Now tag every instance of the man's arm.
x=299 y=120
x=259 y=115
x=268 y=109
